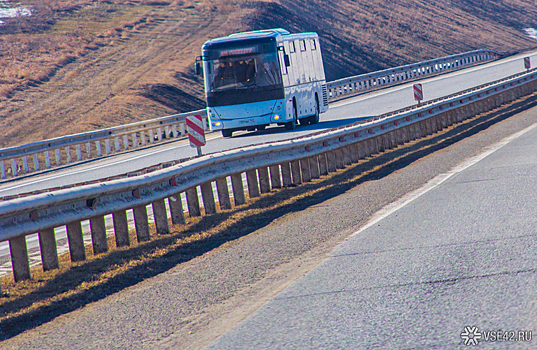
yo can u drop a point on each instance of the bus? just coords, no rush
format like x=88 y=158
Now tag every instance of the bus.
x=258 y=78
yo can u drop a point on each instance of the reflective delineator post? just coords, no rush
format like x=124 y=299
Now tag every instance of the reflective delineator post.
x=196 y=133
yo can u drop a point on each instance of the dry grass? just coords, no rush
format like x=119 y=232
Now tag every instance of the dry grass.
x=80 y=65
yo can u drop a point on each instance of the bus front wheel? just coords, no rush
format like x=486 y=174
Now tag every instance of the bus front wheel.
x=292 y=124
x=227 y=133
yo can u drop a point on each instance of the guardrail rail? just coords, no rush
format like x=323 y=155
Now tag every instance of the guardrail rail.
x=52 y=153
x=351 y=86
x=266 y=167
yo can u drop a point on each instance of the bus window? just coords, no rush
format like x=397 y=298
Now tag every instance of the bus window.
x=313 y=45
x=302 y=45
x=292 y=47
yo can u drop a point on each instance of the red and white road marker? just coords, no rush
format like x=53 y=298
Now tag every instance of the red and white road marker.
x=196 y=132
x=527 y=63
x=418 y=93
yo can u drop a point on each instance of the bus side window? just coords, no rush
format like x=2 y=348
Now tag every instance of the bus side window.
x=291 y=47
x=313 y=45
x=284 y=60
x=302 y=45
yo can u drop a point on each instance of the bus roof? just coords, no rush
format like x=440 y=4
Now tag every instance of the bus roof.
x=265 y=35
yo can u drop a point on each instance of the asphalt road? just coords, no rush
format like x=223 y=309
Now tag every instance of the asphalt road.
x=340 y=113
x=460 y=252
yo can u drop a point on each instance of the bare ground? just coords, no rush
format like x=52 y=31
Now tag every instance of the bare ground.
x=80 y=65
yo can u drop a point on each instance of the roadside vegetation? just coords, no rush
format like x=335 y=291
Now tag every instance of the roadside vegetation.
x=79 y=65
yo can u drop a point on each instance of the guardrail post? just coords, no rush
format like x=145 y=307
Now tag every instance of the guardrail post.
x=98 y=235
x=295 y=172
x=14 y=167
x=305 y=169
x=264 y=181
x=88 y=150
x=47 y=159
x=368 y=148
x=68 y=154
x=347 y=160
x=142 y=137
x=25 y=164
x=121 y=228
x=253 y=186
x=404 y=135
x=323 y=167
x=360 y=150
x=75 y=238
x=126 y=141
x=19 y=258
x=286 y=174
x=450 y=118
x=379 y=144
x=58 y=156
x=223 y=193
x=331 y=161
x=275 y=176
x=371 y=147
x=439 y=122
x=116 y=143
x=208 y=198
x=176 y=209
x=2 y=169
x=386 y=142
x=314 y=167
x=141 y=223
x=49 y=252
x=420 y=130
x=79 y=152
x=238 y=189
x=192 y=201
x=353 y=149
x=107 y=144
x=393 y=139
x=98 y=147
x=134 y=140
x=161 y=217
x=340 y=162
x=427 y=127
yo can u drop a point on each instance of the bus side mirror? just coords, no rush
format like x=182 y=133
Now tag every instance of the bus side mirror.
x=286 y=60
x=198 y=68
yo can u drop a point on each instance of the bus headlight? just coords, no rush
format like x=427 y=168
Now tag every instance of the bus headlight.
x=276 y=117
x=217 y=124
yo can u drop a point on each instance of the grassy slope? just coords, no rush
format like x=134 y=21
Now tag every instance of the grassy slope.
x=81 y=64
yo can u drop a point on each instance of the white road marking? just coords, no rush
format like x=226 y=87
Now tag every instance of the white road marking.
x=438 y=180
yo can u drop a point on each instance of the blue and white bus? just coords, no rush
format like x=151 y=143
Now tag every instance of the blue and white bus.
x=254 y=79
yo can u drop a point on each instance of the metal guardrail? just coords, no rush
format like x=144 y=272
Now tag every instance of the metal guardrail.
x=378 y=80
x=93 y=144
x=266 y=166
x=19 y=160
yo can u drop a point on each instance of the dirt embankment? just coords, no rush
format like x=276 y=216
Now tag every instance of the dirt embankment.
x=80 y=65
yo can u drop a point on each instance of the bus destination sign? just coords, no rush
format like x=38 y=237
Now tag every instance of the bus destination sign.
x=236 y=52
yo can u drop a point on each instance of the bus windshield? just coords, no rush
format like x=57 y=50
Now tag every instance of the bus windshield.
x=244 y=72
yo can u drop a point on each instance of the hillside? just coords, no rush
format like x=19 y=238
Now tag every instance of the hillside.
x=79 y=65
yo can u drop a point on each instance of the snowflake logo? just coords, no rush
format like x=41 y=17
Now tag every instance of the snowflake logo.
x=471 y=335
